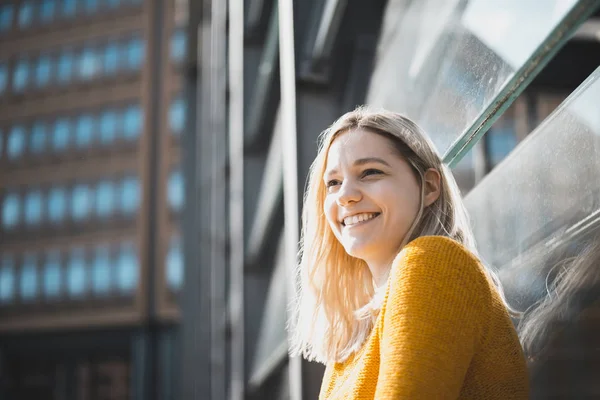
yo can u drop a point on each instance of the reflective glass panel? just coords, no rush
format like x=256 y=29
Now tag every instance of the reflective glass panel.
x=57 y=204
x=84 y=131
x=88 y=64
x=33 y=207
x=42 y=71
x=127 y=268
x=130 y=195
x=20 y=76
x=64 y=71
x=6 y=16
x=132 y=122
x=11 y=208
x=108 y=126
x=37 y=139
x=449 y=64
x=25 y=14
x=3 y=77
x=105 y=199
x=81 y=202
x=16 y=142
x=177 y=115
x=52 y=274
x=178 y=46
x=110 y=59
x=175 y=194
x=7 y=279
x=76 y=278
x=47 y=10
x=134 y=53
x=101 y=281
x=61 y=134
x=29 y=277
x=68 y=7
x=174 y=270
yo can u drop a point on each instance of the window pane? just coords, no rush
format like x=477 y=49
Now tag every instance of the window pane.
x=11 y=208
x=76 y=273
x=3 y=78
x=108 y=126
x=52 y=275
x=48 y=10
x=500 y=141
x=42 y=71
x=60 y=138
x=33 y=208
x=132 y=122
x=105 y=199
x=130 y=195
x=37 y=140
x=20 y=76
x=174 y=263
x=57 y=205
x=88 y=64
x=178 y=46
x=7 y=279
x=81 y=202
x=25 y=14
x=101 y=271
x=175 y=193
x=111 y=59
x=6 y=16
x=65 y=67
x=84 y=131
x=127 y=268
x=177 y=115
x=134 y=53
x=29 y=277
x=68 y=8
x=16 y=142
x=91 y=6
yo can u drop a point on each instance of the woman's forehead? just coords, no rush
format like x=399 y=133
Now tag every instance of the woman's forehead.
x=357 y=144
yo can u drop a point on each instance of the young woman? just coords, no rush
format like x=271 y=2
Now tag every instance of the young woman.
x=392 y=297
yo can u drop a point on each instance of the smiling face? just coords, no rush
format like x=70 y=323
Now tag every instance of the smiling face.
x=373 y=196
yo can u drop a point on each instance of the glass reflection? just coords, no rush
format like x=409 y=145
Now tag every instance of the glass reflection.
x=127 y=268
x=33 y=208
x=7 y=279
x=88 y=64
x=101 y=281
x=57 y=205
x=11 y=208
x=52 y=274
x=29 y=277
x=76 y=284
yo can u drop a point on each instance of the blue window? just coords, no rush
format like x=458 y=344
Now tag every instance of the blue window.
x=130 y=195
x=21 y=76
x=76 y=273
x=88 y=64
x=60 y=136
x=7 y=279
x=178 y=46
x=175 y=191
x=127 y=268
x=48 y=10
x=57 y=205
x=64 y=71
x=108 y=126
x=110 y=62
x=500 y=141
x=33 y=207
x=174 y=270
x=25 y=14
x=16 y=142
x=3 y=78
x=112 y=3
x=132 y=122
x=52 y=275
x=29 y=277
x=105 y=199
x=101 y=281
x=84 y=131
x=68 y=8
x=6 y=17
x=177 y=115
x=11 y=208
x=90 y=6
x=37 y=139
x=42 y=71
x=134 y=53
x=80 y=202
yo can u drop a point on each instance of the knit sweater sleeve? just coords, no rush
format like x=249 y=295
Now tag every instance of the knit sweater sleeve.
x=433 y=320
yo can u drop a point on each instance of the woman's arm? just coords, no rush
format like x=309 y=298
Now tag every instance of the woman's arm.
x=433 y=321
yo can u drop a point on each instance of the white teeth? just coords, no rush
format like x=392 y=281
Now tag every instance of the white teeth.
x=355 y=219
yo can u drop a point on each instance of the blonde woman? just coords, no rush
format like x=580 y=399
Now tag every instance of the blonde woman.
x=392 y=296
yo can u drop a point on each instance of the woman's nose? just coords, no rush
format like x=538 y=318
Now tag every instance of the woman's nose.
x=348 y=193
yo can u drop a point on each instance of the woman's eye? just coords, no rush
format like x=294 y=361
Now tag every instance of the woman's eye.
x=333 y=182
x=371 y=171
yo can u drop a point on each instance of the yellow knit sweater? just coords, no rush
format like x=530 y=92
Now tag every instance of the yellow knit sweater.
x=442 y=333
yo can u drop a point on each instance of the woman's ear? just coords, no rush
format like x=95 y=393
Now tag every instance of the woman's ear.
x=432 y=182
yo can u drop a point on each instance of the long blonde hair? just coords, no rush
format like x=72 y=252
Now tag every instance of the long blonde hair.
x=335 y=289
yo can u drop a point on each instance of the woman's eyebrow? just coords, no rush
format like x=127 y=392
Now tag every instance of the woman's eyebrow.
x=368 y=160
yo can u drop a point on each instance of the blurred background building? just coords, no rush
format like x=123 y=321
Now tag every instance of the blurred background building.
x=110 y=108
